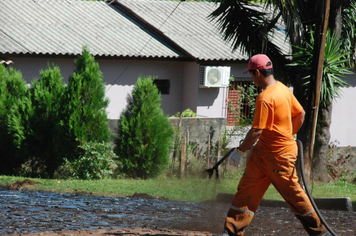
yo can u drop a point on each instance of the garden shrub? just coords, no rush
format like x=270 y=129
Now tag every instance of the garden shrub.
x=186 y=113
x=144 y=132
x=96 y=161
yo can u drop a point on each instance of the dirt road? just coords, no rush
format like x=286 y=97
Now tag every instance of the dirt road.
x=29 y=213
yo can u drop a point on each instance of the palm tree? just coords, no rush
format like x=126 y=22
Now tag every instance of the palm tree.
x=248 y=26
x=335 y=60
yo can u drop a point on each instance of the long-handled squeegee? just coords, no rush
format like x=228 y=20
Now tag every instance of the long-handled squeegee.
x=215 y=167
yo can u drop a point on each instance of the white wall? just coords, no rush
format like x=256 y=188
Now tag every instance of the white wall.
x=343 y=123
x=30 y=67
x=115 y=94
x=212 y=101
x=119 y=76
x=190 y=86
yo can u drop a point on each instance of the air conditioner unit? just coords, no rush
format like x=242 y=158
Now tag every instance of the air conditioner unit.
x=214 y=76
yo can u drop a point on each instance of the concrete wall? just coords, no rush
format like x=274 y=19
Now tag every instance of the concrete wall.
x=201 y=131
x=197 y=131
x=342 y=163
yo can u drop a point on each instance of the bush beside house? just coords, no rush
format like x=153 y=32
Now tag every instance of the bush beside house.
x=144 y=133
x=47 y=122
x=50 y=129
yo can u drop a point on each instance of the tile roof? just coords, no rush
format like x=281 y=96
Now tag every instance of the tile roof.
x=187 y=24
x=171 y=29
x=63 y=27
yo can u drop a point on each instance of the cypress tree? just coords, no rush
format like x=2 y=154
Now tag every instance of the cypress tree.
x=144 y=132
x=46 y=133
x=13 y=116
x=86 y=105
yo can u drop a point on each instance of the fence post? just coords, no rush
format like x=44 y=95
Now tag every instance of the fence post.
x=209 y=161
x=182 y=158
x=219 y=154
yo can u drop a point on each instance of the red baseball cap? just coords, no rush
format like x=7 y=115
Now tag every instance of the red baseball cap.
x=259 y=62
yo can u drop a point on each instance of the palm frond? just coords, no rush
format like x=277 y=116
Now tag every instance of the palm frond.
x=247 y=28
x=334 y=69
x=349 y=32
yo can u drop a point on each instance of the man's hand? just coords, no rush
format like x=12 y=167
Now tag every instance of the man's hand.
x=235 y=157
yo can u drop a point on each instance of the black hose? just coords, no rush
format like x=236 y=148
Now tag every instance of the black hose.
x=301 y=157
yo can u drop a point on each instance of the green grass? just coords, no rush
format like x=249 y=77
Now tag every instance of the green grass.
x=194 y=190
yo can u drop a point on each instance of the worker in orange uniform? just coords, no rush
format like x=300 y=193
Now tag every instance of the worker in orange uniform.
x=278 y=115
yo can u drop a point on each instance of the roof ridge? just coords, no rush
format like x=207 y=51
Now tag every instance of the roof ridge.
x=152 y=29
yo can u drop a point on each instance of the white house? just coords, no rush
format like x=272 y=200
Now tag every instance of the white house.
x=174 y=41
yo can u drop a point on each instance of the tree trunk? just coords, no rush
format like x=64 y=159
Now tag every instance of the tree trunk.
x=321 y=146
x=315 y=83
x=322 y=137
x=335 y=20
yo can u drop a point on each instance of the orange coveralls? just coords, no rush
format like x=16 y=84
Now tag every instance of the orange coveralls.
x=272 y=160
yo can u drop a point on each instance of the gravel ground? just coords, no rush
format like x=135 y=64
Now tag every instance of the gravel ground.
x=43 y=213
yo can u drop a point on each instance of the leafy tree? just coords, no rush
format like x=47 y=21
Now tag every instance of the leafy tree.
x=13 y=116
x=86 y=105
x=144 y=132
x=45 y=132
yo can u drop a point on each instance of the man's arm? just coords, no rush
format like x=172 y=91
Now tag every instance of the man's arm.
x=297 y=121
x=250 y=139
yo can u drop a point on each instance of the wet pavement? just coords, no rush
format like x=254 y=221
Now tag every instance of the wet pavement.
x=23 y=212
